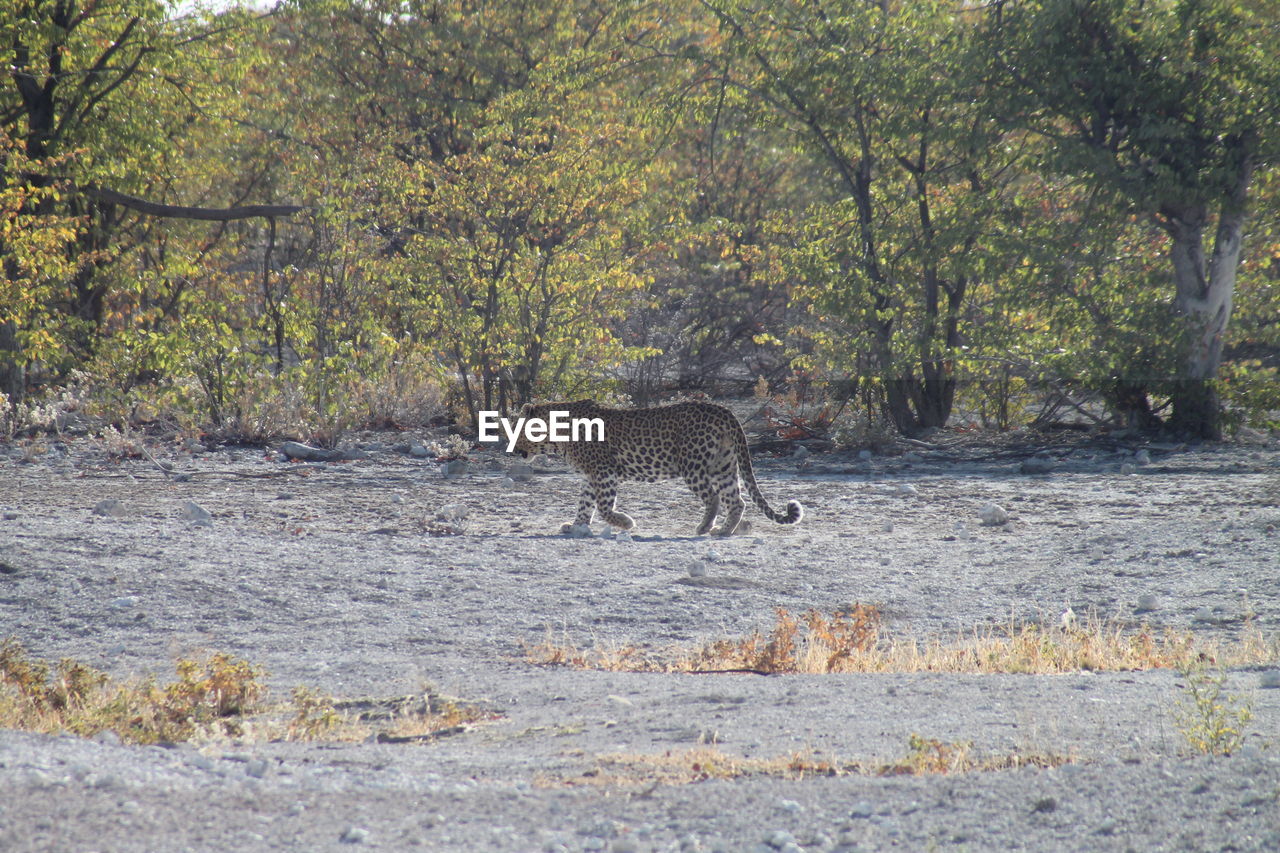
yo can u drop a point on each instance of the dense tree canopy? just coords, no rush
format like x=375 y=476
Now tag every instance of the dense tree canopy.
x=296 y=219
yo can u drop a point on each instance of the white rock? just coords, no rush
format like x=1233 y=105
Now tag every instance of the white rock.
x=800 y=452
x=354 y=835
x=418 y=451
x=1067 y=619
x=779 y=838
x=790 y=806
x=861 y=809
x=508 y=483
x=993 y=515
x=1269 y=679
x=1142 y=457
x=196 y=514
x=713 y=556
x=962 y=531
x=451 y=513
x=579 y=531
x=697 y=569
x=1147 y=602
x=124 y=602
x=908 y=490
x=1127 y=468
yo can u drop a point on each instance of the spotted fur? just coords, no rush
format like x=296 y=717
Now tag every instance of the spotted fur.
x=700 y=442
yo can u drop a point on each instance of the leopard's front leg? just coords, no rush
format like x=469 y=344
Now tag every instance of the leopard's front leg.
x=586 y=509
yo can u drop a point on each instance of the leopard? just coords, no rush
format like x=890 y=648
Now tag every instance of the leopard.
x=701 y=442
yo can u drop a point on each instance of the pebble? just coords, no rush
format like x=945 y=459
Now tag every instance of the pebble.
x=453 y=469
x=1270 y=679
x=197 y=514
x=779 y=838
x=1142 y=457
x=1147 y=603
x=908 y=490
x=124 y=602
x=508 y=483
x=1037 y=465
x=888 y=527
x=861 y=809
x=993 y=515
x=353 y=835
x=451 y=513
x=110 y=507
x=257 y=768
x=417 y=451
x=790 y=806
x=1127 y=468
x=800 y=452
x=697 y=569
x=521 y=472
x=307 y=453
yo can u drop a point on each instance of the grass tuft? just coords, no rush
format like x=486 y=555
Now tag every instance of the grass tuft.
x=852 y=640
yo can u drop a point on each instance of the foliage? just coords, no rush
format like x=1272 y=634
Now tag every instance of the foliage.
x=911 y=207
x=1212 y=720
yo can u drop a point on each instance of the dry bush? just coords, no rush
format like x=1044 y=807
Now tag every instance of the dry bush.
x=216 y=698
x=852 y=641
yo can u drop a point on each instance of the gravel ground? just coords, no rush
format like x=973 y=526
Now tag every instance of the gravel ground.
x=333 y=576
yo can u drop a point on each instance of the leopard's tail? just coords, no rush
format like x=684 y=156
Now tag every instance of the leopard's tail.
x=794 y=512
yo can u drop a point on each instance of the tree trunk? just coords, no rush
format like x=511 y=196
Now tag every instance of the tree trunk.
x=1205 y=291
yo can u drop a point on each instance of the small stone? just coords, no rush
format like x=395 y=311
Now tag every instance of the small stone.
x=353 y=835
x=451 y=513
x=417 y=451
x=1203 y=614
x=1147 y=603
x=521 y=472
x=993 y=515
x=1142 y=457
x=1038 y=465
x=861 y=809
x=790 y=806
x=307 y=453
x=800 y=452
x=779 y=838
x=397 y=499
x=1044 y=805
x=453 y=469
x=110 y=507
x=1269 y=679
x=1127 y=468
x=962 y=531
x=888 y=527
x=1107 y=827
x=697 y=569
x=354 y=454
x=196 y=514
x=865 y=455
x=107 y=737
x=508 y=483
x=257 y=768
x=124 y=602
x=908 y=490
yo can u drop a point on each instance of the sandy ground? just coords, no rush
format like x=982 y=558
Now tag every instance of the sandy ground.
x=333 y=576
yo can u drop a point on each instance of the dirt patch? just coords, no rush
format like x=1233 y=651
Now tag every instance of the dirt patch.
x=373 y=577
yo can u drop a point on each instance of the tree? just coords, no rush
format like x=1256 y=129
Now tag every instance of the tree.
x=881 y=95
x=1170 y=107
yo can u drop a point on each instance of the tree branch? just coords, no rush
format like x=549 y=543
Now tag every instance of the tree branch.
x=175 y=211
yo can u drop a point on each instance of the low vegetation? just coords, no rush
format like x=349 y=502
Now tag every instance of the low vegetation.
x=1212 y=720
x=853 y=640
x=219 y=697
x=683 y=767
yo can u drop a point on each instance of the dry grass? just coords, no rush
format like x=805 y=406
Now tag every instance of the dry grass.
x=217 y=698
x=699 y=764
x=853 y=641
